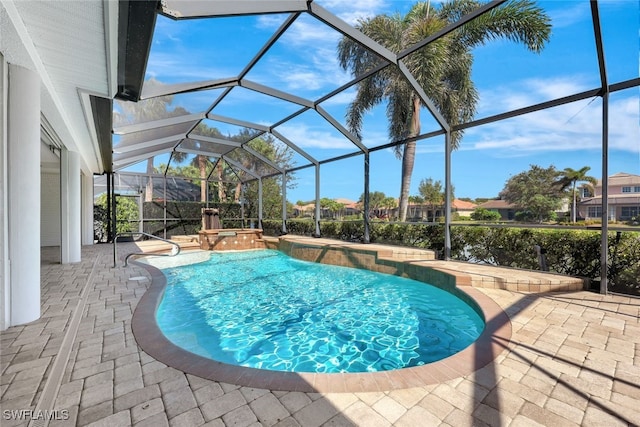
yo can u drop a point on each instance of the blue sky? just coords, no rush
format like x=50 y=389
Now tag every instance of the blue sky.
x=507 y=76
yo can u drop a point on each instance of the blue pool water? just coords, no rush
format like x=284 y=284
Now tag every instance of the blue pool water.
x=265 y=310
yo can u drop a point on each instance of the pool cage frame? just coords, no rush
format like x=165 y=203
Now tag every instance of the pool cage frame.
x=137 y=22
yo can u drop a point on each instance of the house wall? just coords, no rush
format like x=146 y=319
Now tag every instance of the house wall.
x=465 y=213
x=616 y=202
x=617 y=189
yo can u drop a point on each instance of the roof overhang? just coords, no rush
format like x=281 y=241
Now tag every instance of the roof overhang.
x=137 y=19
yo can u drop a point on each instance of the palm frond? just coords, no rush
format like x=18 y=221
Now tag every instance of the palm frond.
x=520 y=21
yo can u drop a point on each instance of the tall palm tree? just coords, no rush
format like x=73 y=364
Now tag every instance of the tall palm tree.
x=442 y=68
x=570 y=177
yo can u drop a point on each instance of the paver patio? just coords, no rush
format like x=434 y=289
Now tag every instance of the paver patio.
x=573 y=359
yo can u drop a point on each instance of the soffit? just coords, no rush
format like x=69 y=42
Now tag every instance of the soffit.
x=65 y=43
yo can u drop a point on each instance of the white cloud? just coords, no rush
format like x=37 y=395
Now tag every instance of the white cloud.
x=373 y=138
x=528 y=92
x=343 y=98
x=169 y=31
x=352 y=11
x=308 y=137
x=302 y=79
x=568 y=16
x=168 y=65
x=570 y=127
x=306 y=30
x=317 y=71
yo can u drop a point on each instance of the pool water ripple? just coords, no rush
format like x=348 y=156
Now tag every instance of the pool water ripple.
x=263 y=309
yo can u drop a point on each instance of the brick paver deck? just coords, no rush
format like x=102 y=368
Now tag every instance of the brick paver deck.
x=573 y=359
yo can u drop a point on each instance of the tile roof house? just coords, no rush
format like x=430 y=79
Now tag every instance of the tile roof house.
x=350 y=208
x=425 y=212
x=463 y=207
x=623 y=199
x=505 y=209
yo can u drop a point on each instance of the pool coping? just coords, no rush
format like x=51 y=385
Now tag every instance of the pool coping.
x=492 y=341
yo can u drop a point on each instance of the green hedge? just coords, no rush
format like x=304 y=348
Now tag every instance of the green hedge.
x=571 y=252
x=186 y=217
x=188 y=210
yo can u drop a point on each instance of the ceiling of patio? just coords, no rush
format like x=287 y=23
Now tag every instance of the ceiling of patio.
x=257 y=69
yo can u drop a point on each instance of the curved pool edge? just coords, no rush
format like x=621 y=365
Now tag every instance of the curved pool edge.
x=492 y=341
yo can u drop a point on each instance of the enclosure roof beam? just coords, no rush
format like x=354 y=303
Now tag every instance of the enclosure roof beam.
x=181 y=9
x=156 y=91
x=213 y=140
x=353 y=82
x=233 y=144
x=272 y=40
x=342 y=27
x=597 y=30
x=294 y=146
x=290 y=117
x=134 y=159
x=627 y=84
x=147 y=144
x=530 y=109
x=213 y=167
x=237 y=122
x=239 y=166
x=219 y=99
x=265 y=90
x=451 y=27
x=197 y=152
x=351 y=137
x=170 y=121
x=262 y=157
x=423 y=96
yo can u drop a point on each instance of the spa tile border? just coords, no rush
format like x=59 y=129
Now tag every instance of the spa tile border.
x=493 y=340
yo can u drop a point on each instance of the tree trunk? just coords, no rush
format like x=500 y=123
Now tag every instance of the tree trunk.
x=237 y=192
x=148 y=193
x=202 y=165
x=408 y=159
x=221 y=193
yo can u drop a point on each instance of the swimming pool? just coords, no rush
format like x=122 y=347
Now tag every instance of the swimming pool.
x=265 y=310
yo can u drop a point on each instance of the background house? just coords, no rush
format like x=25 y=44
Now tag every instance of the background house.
x=623 y=199
x=348 y=207
x=427 y=212
x=463 y=208
x=505 y=209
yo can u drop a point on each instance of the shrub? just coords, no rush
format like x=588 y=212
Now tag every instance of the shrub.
x=482 y=214
x=127 y=216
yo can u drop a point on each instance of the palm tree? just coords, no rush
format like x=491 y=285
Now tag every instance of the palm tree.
x=570 y=177
x=442 y=68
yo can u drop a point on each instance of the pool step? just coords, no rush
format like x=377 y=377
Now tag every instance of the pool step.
x=152 y=246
